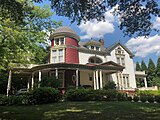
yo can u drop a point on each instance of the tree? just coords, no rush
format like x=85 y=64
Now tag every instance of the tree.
x=20 y=43
x=138 y=67
x=110 y=85
x=158 y=68
x=135 y=15
x=151 y=72
x=143 y=66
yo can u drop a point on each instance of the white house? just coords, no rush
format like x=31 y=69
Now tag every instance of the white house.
x=77 y=63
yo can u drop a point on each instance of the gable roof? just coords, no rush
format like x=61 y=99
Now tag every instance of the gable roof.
x=123 y=46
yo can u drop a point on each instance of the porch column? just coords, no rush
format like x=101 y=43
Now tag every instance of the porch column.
x=39 y=78
x=77 y=79
x=28 y=84
x=145 y=82
x=94 y=80
x=9 y=82
x=32 y=82
x=120 y=83
x=101 y=84
x=97 y=81
x=57 y=73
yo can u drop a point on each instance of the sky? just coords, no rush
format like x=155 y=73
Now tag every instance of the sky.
x=143 y=48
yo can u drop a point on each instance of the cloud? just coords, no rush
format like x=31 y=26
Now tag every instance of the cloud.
x=143 y=47
x=96 y=29
x=156 y=24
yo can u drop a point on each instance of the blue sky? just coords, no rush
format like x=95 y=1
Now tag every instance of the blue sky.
x=143 y=48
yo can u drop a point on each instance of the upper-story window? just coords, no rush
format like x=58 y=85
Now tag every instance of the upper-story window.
x=59 y=41
x=95 y=60
x=120 y=56
x=57 y=56
x=97 y=48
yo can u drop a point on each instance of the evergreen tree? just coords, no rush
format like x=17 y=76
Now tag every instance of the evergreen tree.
x=138 y=67
x=151 y=72
x=143 y=66
x=158 y=68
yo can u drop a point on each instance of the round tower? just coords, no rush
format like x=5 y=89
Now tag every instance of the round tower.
x=64 y=43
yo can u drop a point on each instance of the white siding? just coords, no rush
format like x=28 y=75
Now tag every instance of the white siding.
x=129 y=67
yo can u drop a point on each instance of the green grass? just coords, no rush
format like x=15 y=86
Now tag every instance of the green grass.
x=83 y=111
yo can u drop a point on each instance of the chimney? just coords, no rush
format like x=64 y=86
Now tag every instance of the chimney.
x=102 y=42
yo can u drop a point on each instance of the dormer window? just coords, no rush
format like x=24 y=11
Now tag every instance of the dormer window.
x=59 y=41
x=120 y=56
x=119 y=51
x=97 y=48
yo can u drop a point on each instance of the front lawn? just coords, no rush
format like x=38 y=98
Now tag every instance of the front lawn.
x=83 y=111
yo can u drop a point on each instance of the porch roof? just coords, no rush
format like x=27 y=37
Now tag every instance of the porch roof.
x=104 y=66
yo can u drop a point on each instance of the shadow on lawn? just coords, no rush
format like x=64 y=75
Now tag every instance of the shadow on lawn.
x=103 y=111
x=83 y=111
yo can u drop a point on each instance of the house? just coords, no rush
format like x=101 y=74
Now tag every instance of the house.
x=77 y=63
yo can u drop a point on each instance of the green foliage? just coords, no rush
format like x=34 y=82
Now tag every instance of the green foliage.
x=51 y=82
x=158 y=68
x=121 y=96
x=150 y=98
x=44 y=95
x=148 y=92
x=151 y=72
x=19 y=43
x=157 y=98
x=91 y=95
x=136 y=98
x=129 y=98
x=110 y=85
x=143 y=66
x=143 y=98
x=138 y=67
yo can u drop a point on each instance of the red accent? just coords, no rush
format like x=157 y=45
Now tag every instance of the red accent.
x=71 y=55
x=52 y=43
x=71 y=41
x=130 y=92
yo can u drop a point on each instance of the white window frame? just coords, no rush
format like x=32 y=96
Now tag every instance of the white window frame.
x=57 y=55
x=59 y=41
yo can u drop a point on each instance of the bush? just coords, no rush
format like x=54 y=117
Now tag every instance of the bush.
x=3 y=100
x=121 y=96
x=136 y=98
x=150 y=99
x=44 y=95
x=129 y=98
x=157 y=98
x=143 y=98
x=79 y=94
x=110 y=85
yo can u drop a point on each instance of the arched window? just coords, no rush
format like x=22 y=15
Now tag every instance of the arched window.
x=95 y=60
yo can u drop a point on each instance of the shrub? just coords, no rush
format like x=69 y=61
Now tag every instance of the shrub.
x=121 y=96
x=143 y=98
x=111 y=95
x=157 y=98
x=110 y=85
x=79 y=94
x=150 y=99
x=3 y=100
x=44 y=95
x=129 y=98
x=136 y=98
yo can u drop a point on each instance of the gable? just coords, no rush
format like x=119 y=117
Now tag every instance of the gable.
x=119 y=44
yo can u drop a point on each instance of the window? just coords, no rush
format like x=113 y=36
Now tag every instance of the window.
x=126 y=81
x=60 y=55
x=97 y=48
x=94 y=60
x=57 y=56
x=59 y=41
x=120 y=60
x=54 y=56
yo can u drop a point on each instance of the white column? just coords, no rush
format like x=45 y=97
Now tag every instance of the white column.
x=94 y=80
x=101 y=84
x=77 y=78
x=32 y=82
x=9 y=82
x=57 y=73
x=120 y=82
x=97 y=81
x=145 y=82
x=28 y=84
x=39 y=78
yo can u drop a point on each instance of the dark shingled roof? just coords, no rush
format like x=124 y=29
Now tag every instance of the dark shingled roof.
x=64 y=29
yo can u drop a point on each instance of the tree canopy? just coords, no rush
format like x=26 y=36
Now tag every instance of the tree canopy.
x=19 y=43
x=138 y=67
x=134 y=15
